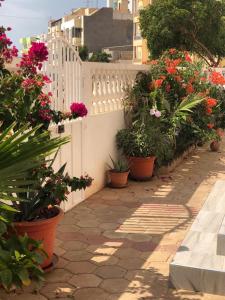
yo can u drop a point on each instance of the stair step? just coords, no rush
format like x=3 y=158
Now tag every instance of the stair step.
x=197 y=265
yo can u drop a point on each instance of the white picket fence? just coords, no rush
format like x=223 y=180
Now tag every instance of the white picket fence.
x=101 y=87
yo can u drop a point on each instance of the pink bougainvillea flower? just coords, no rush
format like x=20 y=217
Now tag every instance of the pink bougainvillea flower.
x=78 y=109
x=38 y=52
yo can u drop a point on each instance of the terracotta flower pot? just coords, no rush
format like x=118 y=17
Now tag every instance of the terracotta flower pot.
x=215 y=146
x=141 y=168
x=43 y=230
x=118 y=179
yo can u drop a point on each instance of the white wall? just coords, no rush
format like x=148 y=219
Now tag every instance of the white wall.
x=92 y=141
x=100 y=135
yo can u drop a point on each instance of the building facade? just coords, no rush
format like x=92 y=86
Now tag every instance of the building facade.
x=96 y=28
x=140 y=49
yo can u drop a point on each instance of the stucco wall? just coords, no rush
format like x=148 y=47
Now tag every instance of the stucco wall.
x=101 y=30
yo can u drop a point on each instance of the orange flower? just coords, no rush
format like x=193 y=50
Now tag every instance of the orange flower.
x=211 y=102
x=158 y=83
x=178 y=78
x=217 y=78
x=220 y=132
x=187 y=57
x=189 y=88
x=171 y=70
x=209 y=110
x=176 y=62
x=210 y=125
x=172 y=51
x=154 y=62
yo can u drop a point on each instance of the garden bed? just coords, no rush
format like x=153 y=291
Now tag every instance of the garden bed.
x=164 y=170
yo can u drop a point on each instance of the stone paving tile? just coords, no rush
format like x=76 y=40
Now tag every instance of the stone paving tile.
x=117 y=244
x=81 y=267
x=58 y=290
x=59 y=275
x=110 y=272
x=85 y=281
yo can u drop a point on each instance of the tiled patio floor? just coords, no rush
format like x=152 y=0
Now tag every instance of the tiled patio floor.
x=117 y=245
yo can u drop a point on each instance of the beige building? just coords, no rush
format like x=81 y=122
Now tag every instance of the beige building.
x=141 y=53
x=97 y=28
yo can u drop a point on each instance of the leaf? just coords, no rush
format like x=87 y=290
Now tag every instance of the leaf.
x=6 y=278
x=24 y=277
x=3 y=228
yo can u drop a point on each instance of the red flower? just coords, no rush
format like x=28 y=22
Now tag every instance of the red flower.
x=210 y=125
x=78 y=109
x=211 y=102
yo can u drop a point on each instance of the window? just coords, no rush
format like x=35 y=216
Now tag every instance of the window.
x=76 y=32
x=137 y=31
x=138 y=53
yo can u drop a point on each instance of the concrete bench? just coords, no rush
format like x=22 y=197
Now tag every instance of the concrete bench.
x=199 y=264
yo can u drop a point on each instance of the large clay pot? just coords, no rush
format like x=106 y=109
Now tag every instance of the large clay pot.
x=118 y=179
x=43 y=230
x=141 y=168
x=215 y=146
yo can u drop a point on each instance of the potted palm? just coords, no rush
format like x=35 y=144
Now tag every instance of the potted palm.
x=20 y=256
x=118 y=173
x=138 y=145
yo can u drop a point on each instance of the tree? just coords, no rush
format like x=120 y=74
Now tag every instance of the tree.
x=100 y=57
x=83 y=52
x=197 y=26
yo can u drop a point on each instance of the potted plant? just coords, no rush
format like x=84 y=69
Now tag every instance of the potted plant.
x=20 y=152
x=40 y=214
x=217 y=136
x=137 y=144
x=118 y=173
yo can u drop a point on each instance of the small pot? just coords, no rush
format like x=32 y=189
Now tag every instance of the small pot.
x=215 y=146
x=141 y=168
x=118 y=179
x=42 y=230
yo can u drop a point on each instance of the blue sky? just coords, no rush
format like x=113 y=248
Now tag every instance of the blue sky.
x=29 y=17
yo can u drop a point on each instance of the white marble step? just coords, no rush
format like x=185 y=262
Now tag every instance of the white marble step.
x=221 y=239
x=197 y=265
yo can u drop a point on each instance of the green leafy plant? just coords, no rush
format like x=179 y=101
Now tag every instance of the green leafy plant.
x=195 y=26
x=120 y=166
x=100 y=57
x=20 y=259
